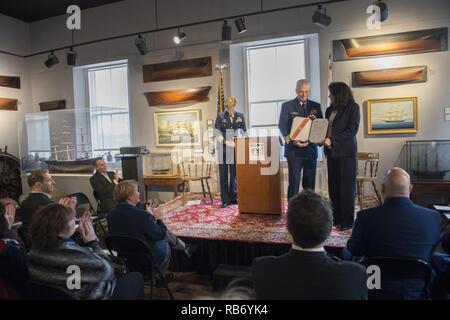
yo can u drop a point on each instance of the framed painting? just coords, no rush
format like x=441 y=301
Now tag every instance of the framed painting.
x=391 y=116
x=178 y=128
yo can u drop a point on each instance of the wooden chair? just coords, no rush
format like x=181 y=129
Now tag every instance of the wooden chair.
x=371 y=160
x=196 y=171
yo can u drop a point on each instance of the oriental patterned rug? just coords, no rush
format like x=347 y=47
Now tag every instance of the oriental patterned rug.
x=198 y=218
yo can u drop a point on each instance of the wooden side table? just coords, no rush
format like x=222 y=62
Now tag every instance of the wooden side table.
x=172 y=181
x=424 y=188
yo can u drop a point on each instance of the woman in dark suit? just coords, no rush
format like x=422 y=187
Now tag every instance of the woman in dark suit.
x=341 y=151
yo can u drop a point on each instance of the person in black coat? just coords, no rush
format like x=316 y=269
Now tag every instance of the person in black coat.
x=301 y=156
x=341 y=151
x=104 y=182
x=307 y=272
x=41 y=185
x=398 y=227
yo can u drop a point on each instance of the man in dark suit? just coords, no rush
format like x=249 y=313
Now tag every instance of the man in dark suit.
x=398 y=227
x=301 y=156
x=307 y=272
x=104 y=182
x=229 y=124
x=41 y=185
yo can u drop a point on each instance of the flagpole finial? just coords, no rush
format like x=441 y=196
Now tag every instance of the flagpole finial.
x=220 y=67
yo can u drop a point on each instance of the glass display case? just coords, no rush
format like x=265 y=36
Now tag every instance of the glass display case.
x=67 y=141
x=428 y=160
x=161 y=162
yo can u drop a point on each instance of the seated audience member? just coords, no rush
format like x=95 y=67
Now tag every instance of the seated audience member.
x=104 y=182
x=41 y=185
x=127 y=219
x=398 y=227
x=306 y=271
x=53 y=251
x=13 y=259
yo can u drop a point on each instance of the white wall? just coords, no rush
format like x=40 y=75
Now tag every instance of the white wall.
x=348 y=20
x=14 y=37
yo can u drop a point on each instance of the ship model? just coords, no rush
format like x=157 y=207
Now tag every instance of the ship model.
x=62 y=150
x=427 y=168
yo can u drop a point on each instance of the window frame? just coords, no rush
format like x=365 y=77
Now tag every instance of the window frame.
x=104 y=66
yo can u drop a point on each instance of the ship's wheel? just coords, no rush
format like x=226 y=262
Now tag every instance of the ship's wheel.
x=10 y=182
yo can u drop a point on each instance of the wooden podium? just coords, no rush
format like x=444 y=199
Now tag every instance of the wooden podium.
x=259 y=182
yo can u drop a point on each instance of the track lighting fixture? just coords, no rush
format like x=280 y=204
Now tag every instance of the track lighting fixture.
x=320 y=18
x=383 y=9
x=141 y=45
x=226 y=32
x=52 y=60
x=240 y=25
x=179 y=37
x=71 y=57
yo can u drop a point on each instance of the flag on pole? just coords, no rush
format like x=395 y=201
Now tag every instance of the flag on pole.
x=220 y=98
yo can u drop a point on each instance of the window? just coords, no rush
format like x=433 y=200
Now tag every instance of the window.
x=108 y=101
x=38 y=135
x=272 y=72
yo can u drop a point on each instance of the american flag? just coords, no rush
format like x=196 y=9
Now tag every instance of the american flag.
x=220 y=98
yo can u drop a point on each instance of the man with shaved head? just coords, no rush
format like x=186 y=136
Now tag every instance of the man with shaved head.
x=398 y=227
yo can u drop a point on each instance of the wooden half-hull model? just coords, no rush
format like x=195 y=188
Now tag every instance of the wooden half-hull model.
x=389 y=76
x=171 y=97
x=174 y=70
x=8 y=104
x=391 y=44
x=70 y=166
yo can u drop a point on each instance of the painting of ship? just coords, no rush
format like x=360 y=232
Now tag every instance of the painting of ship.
x=394 y=115
x=177 y=128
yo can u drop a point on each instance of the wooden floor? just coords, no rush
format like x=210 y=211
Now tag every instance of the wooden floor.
x=184 y=286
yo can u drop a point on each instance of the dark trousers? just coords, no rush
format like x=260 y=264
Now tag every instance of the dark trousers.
x=228 y=188
x=296 y=165
x=342 y=189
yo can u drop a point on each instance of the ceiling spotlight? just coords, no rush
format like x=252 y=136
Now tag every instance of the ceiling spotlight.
x=226 y=32
x=383 y=9
x=240 y=25
x=52 y=60
x=141 y=45
x=71 y=57
x=320 y=18
x=179 y=37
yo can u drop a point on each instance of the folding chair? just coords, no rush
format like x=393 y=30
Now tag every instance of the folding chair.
x=84 y=204
x=132 y=247
x=395 y=272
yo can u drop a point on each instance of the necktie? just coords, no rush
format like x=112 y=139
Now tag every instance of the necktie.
x=303 y=109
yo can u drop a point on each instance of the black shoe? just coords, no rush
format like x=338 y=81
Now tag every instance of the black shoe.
x=190 y=249
x=345 y=227
x=233 y=202
x=224 y=205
